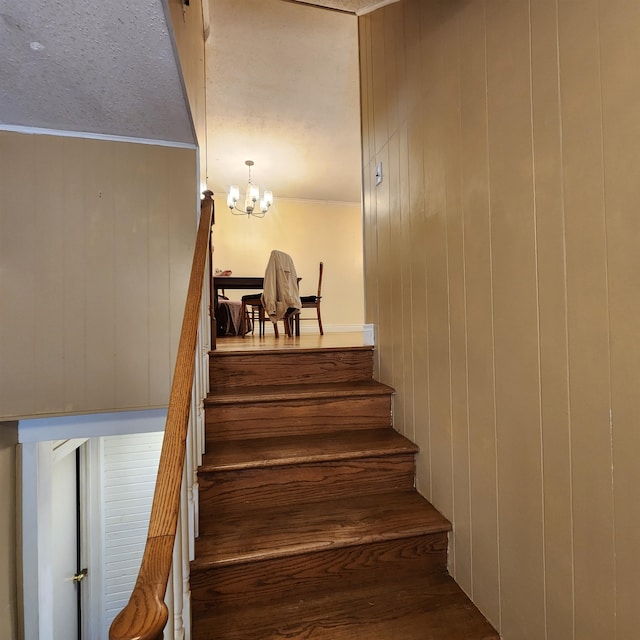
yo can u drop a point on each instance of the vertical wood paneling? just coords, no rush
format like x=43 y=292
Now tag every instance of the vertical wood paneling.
x=419 y=301
x=49 y=283
x=515 y=321
x=18 y=293
x=396 y=15
x=396 y=253
x=408 y=320
x=160 y=320
x=416 y=186
x=391 y=78
x=457 y=314
x=365 y=87
x=182 y=216
x=75 y=283
x=384 y=275
x=404 y=411
x=412 y=31
x=380 y=194
x=393 y=82
x=556 y=435
x=370 y=255
x=588 y=321
x=619 y=28
x=100 y=239
x=379 y=88
x=369 y=88
x=521 y=239
x=436 y=272
x=132 y=274
x=188 y=27
x=479 y=313
x=107 y=247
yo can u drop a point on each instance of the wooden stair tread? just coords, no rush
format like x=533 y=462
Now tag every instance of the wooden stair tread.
x=239 y=534
x=423 y=608
x=278 y=393
x=287 y=450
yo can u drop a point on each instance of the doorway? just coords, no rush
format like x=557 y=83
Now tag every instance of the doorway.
x=66 y=541
x=106 y=514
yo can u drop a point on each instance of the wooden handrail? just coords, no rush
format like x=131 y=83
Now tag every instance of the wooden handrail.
x=145 y=615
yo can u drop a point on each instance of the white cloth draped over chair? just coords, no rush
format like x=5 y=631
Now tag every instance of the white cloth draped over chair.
x=280 y=295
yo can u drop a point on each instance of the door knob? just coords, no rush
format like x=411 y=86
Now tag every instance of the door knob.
x=79 y=577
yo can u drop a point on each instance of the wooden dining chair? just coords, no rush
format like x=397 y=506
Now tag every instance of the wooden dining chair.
x=312 y=302
x=253 y=310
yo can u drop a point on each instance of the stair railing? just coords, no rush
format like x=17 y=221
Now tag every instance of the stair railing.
x=173 y=521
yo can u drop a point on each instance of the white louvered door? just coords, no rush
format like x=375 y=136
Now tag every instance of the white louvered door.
x=130 y=466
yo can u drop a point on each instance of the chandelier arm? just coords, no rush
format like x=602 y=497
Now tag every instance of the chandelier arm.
x=242 y=212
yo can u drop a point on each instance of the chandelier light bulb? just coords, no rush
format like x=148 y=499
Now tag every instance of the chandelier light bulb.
x=233 y=197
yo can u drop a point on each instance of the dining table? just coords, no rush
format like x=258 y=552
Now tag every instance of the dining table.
x=254 y=283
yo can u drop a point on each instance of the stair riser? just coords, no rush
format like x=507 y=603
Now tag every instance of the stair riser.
x=275 y=486
x=293 y=577
x=255 y=369
x=296 y=417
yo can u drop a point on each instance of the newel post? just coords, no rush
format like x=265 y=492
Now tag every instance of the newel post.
x=207 y=201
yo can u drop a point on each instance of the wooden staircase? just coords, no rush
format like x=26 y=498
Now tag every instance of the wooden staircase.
x=310 y=526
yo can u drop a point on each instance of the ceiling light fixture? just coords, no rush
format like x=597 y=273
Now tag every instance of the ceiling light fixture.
x=252 y=195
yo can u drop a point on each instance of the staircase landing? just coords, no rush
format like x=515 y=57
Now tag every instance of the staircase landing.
x=252 y=342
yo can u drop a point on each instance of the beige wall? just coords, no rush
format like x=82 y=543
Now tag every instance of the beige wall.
x=504 y=240
x=96 y=241
x=8 y=617
x=310 y=232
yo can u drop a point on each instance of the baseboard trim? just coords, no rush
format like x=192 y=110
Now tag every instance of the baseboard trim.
x=369 y=334
x=312 y=327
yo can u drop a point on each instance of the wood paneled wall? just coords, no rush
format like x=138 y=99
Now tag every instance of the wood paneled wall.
x=502 y=272
x=187 y=23
x=96 y=242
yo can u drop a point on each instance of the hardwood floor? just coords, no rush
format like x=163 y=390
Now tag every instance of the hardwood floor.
x=252 y=342
x=310 y=526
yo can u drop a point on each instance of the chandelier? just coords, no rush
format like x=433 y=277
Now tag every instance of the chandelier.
x=252 y=195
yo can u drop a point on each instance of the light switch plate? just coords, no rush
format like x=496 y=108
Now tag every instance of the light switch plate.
x=378 y=173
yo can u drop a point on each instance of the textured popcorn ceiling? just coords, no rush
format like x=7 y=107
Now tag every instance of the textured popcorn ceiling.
x=96 y=66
